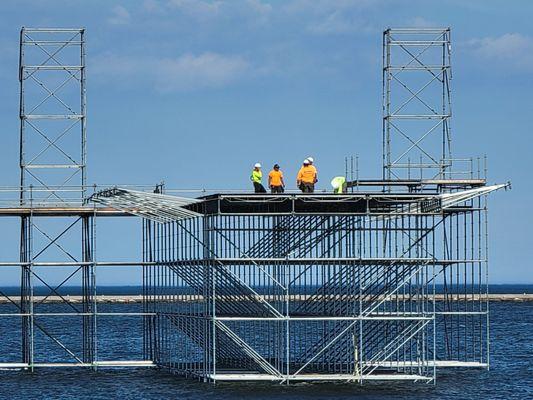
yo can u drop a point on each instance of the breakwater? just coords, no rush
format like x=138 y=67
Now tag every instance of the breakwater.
x=524 y=297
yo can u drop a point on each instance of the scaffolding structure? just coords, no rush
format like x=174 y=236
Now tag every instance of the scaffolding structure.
x=52 y=126
x=386 y=282
x=297 y=287
x=54 y=214
x=416 y=103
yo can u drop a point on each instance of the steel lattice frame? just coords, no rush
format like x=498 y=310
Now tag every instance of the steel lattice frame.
x=51 y=202
x=266 y=293
x=52 y=93
x=53 y=172
x=416 y=103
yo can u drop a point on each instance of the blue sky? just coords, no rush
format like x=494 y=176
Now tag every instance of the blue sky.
x=194 y=92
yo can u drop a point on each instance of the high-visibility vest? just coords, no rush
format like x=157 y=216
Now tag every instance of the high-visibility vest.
x=307 y=174
x=338 y=184
x=256 y=176
x=275 y=177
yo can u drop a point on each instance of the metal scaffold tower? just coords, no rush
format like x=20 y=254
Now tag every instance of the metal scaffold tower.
x=57 y=225
x=52 y=171
x=416 y=103
x=52 y=111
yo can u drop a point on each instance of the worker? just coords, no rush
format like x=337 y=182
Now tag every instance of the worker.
x=275 y=180
x=312 y=164
x=339 y=184
x=257 y=177
x=306 y=178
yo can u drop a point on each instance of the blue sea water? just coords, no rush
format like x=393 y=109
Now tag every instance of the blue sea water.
x=510 y=375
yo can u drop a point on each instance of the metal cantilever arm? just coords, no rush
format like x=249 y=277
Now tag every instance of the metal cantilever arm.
x=154 y=206
x=443 y=201
x=452 y=199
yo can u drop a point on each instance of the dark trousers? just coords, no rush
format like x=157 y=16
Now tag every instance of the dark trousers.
x=307 y=187
x=276 y=189
x=258 y=188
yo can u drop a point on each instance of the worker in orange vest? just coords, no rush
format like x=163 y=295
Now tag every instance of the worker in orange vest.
x=306 y=178
x=312 y=164
x=275 y=180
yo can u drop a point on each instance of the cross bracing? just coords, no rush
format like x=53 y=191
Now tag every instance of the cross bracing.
x=52 y=110
x=417 y=103
x=307 y=295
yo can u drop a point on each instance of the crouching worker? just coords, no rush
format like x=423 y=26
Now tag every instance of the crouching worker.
x=256 y=177
x=275 y=180
x=306 y=177
x=339 y=184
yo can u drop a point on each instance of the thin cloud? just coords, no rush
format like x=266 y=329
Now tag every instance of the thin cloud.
x=262 y=9
x=120 y=16
x=208 y=11
x=326 y=6
x=421 y=22
x=333 y=17
x=152 y=6
x=207 y=70
x=188 y=72
x=257 y=12
x=512 y=48
x=198 y=9
x=338 y=23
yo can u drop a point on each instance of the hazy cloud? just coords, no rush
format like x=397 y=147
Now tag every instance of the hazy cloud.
x=337 y=23
x=512 y=48
x=119 y=16
x=421 y=22
x=321 y=17
x=185 y=73
x=332 y=16
x=262 y=11
x=321 y=6
x=199 y=9
x=206 y=70
x=152 y=6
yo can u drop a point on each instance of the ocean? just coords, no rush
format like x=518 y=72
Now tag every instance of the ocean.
x=510 y=375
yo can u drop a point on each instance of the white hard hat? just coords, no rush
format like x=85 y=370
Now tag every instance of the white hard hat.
x=338 y=181
x=306 y=161
x=257 y=165
x=310 y=159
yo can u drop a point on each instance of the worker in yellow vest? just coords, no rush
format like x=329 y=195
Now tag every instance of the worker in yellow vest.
x=306 y=178
x=339 y=184
x=256 y=177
